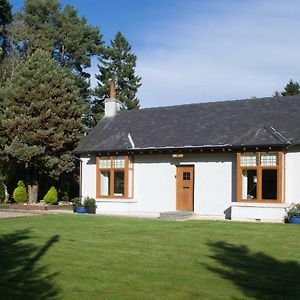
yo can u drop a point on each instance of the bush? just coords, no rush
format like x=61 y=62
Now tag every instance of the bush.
x=76 y=203
x=51 y=196
x=294 y=210
x=90 y=205
x=63 y=195
x=89 y=202
x=2 y=192
x=20 y=193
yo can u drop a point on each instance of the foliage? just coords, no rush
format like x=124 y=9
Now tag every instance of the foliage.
x=63 y=195
x=89 y=202
x=294 y=210
x=117 y=63
x=43 y=116
x=44 y=25
x=76 y=203
x=2 y=192
x=5 y=19
x=20 y=192
x=51 y=196
x=292 y=88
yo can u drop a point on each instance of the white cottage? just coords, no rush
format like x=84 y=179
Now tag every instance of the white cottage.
x=233 y=159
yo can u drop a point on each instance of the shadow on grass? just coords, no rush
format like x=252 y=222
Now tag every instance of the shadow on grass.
x=21 y=277
x=257 y=275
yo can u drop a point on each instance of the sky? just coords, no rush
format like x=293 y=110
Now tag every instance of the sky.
x=191 y=51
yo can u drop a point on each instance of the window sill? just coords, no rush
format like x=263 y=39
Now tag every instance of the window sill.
x=117 y=200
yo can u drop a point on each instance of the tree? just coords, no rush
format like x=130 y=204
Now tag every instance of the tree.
x=292 y=88
x=5 y=19
x=44 y=25
x=117 y=63
x=42 y=121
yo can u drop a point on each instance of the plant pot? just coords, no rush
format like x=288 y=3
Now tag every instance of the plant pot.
x=294 y=220
x=90 y=209
x=81 y=210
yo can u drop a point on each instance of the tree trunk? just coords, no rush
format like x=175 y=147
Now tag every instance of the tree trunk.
x=33 y=190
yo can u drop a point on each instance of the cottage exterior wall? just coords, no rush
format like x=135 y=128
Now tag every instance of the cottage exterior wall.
x=155 y=183
x=292 y=176
x=214 y=186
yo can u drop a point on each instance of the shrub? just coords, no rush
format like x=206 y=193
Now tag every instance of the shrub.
x=90 y=205
x=89 y=202
x=2 y=192
x=76 y=203
x=51 y=196
x=63 y=195
x=294 y=210
x=20 y=192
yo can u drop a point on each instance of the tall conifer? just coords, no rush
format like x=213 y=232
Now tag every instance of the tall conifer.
x=117 y=63
x=42 y=120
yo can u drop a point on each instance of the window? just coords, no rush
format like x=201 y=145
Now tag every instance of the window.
x=114 y=177
x=186 y=176
x=259 y=177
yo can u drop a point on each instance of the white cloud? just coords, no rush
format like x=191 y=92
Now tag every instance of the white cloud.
x=218 y=52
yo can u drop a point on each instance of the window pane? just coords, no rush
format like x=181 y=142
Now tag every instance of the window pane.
x=119 y=162
x=249 y=184
x=119 y=183
x=105 y=183
x=268 y=159
x=248 y=160
x=186 y=176
x=269 y=184
x=104 y=162
x=130 y=183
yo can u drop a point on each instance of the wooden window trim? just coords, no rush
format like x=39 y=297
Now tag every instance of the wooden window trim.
x=112 y=173
x=259 y=169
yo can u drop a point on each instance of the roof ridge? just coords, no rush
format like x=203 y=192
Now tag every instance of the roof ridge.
x=279 y=98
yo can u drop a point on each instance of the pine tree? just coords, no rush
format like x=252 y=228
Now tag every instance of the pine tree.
x=292 y=88
x=42 y=121
x=44 y=25
x=117 y=63
x=5 y=19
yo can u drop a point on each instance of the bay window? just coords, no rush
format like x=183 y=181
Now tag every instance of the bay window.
x=114 y=177
x=259 y=177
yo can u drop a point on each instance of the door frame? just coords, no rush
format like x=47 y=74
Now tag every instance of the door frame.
x=193 y=185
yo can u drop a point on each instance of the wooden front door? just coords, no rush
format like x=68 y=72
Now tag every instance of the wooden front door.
x=185 y=188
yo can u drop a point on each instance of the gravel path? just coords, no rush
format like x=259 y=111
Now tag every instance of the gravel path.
x=14 y=214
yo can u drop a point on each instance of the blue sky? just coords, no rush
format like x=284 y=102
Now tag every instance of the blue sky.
x=199 y=51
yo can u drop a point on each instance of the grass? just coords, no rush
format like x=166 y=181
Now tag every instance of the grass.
x=86 y=257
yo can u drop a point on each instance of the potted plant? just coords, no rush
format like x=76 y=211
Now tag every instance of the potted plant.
x=90 y=205
x=294 y=214
x=77 y=206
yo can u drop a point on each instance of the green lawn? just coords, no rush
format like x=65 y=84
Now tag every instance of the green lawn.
x=87 y=257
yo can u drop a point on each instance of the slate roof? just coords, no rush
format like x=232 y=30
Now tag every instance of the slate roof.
x=240 y=123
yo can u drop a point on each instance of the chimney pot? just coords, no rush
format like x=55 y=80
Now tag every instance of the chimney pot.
x=112 y=106
x=112 y=93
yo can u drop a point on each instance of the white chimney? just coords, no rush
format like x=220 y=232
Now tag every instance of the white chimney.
x=112 y=106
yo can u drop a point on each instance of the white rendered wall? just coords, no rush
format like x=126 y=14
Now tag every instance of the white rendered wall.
x=88 y=176
x=214 y=186
x=292 y=177
x=258 y=211
x=155 y=183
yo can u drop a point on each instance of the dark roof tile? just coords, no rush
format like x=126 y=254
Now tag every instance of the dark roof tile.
x=265 y=121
